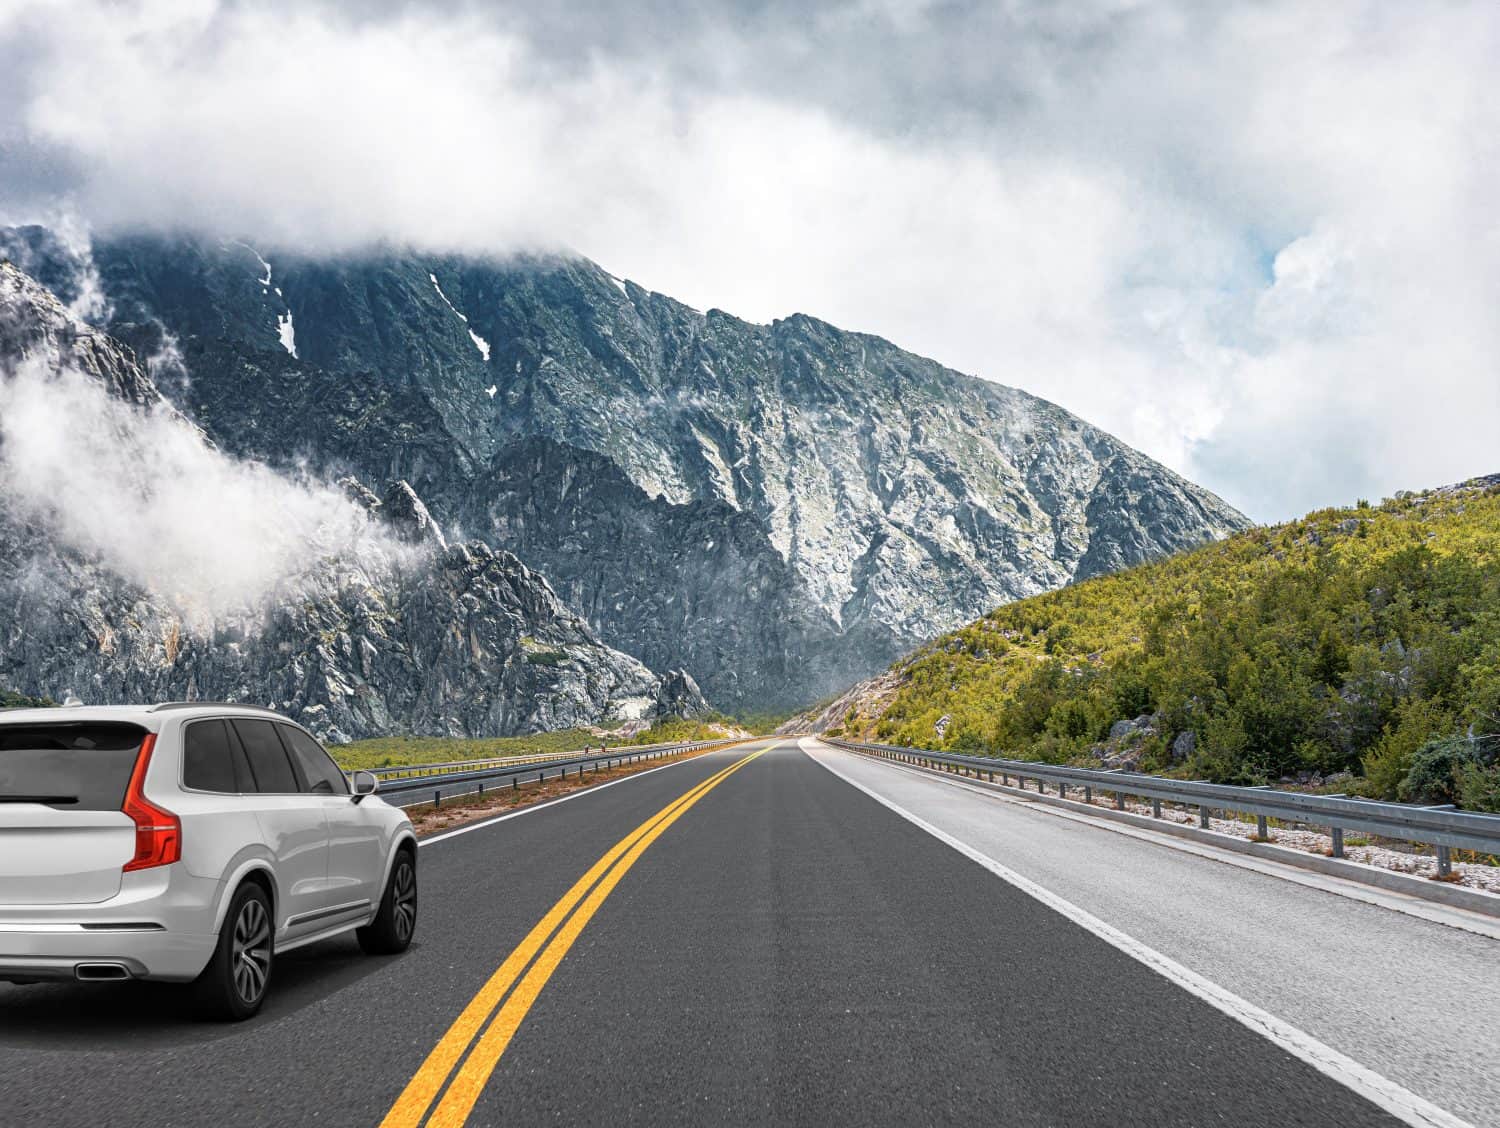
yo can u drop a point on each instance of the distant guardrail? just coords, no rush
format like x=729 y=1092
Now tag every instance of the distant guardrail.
x=413 y=771
x=421 y=784
x=1443 y=827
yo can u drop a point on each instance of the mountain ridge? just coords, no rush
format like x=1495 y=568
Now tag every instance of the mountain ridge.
x=896 y=497
x=398 y=631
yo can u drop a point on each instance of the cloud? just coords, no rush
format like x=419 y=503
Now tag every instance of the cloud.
x=1256 y=241
x=142 y=494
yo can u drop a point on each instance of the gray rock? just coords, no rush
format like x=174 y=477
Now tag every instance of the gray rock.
x=779 y=509
x=1184 y=745
x=409 y=516
x=460 y=640
x=1124 y=760
x=362 y=496
x=678 y=695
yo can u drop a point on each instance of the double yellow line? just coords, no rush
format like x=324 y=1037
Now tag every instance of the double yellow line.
x=553 y=935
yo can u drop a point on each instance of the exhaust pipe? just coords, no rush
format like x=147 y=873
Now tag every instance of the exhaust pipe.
x=100 y=972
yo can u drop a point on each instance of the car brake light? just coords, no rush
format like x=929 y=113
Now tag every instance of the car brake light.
x=158 y=833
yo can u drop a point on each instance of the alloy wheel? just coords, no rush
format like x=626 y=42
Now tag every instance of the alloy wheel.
x=250 y=956
x=404 y=900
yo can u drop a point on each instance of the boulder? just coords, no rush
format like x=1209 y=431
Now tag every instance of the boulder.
x=1183 y=746
x=679 y=696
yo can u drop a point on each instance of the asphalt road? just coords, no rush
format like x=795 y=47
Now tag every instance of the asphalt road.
x=788 y=950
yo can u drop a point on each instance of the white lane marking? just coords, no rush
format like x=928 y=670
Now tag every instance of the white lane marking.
x=1379 y=1090
x=1397 y=901
x=594 y=790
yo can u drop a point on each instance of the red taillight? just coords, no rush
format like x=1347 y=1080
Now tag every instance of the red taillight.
x=158 y=833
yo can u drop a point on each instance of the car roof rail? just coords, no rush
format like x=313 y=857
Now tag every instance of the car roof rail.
x=165 y=705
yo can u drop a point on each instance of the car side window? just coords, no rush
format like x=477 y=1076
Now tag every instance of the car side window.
x=209 y=758
x=318 y=769
x=268 y=760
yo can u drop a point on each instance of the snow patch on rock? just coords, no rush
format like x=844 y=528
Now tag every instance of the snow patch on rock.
x=286 y=332
x=479 y=342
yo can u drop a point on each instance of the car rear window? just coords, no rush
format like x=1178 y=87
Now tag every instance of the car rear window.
x=268 y=759
x=78 y=766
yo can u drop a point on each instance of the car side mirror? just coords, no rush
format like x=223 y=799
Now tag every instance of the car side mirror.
x=364 y=783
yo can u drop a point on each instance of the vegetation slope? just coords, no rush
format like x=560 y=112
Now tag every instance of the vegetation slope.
x=1359 y=644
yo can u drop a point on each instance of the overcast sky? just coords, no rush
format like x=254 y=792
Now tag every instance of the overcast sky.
x=1258 y=241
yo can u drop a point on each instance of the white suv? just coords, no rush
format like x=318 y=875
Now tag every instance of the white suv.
x=188 y=842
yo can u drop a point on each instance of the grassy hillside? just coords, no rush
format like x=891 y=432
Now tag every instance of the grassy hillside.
x=1359 y=642
x=403 y=751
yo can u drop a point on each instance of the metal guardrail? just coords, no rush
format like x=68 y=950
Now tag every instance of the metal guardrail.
x=413 y=771
x=1442 y=827
x=463 y=779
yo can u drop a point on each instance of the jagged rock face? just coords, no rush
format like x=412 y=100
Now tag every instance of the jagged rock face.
x=460 y=640
x=36 y=327
x=880 y=497
x=720 y=600
x=470 y=644
x=679 y=696
x=404 y=509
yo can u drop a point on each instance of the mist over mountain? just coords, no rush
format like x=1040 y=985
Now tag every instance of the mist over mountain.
x=140 y=562
x=778 y=508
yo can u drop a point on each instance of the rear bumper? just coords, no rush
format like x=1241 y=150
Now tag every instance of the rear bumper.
x=58 y=952
x=160 y=926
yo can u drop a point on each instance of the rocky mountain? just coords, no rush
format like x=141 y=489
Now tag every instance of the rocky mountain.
x=408 y=633
x=780 y=509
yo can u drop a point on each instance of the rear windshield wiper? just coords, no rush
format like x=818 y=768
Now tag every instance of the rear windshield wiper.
x=38 y=798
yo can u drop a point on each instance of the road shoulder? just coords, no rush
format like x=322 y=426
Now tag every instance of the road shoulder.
x=1411 y=998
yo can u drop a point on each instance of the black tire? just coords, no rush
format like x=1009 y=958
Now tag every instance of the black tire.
x=396 y=920
x=234 y=984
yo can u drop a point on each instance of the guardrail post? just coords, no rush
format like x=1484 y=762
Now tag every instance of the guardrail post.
x=437 y=799
x=1088 y=794
x=1338 y=841
x=1445 y=861
x=1262 y=832
x=1119 y=800
x=1203 y=817
x=1156 y=808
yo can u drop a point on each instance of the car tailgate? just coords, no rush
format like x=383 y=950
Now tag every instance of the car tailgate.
x=52 y=857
